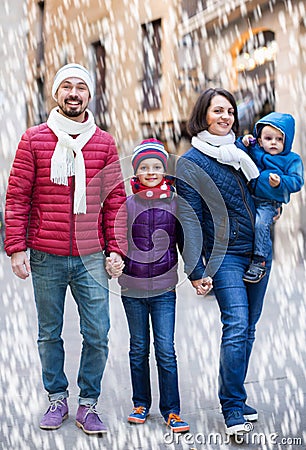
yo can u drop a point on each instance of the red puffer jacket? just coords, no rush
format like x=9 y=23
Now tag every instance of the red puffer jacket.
x=39 y=213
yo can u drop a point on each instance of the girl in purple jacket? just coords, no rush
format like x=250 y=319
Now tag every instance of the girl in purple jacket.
x=148 y=283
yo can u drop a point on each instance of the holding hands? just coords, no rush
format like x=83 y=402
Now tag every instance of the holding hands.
x=114 y=265
x=203 y=286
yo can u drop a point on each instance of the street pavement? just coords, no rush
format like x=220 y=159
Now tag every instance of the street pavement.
x=276 y=382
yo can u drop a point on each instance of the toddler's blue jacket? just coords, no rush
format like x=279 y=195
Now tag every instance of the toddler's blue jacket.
x=287 y=164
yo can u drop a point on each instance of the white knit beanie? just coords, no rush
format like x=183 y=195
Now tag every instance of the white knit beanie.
x=72 y=71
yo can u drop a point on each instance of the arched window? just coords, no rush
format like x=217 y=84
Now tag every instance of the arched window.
x=255 y=64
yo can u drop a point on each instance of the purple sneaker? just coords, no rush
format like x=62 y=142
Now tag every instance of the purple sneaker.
x=88 y=419
x=55 y=415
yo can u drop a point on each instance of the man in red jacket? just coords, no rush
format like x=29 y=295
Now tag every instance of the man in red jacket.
x=66 y=204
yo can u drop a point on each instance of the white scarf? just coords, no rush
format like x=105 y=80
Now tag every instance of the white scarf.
x=223 y=149
x=67 y=158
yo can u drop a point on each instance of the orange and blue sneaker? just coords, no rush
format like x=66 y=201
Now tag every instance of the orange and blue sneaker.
x=138 y=415
x=176 y=424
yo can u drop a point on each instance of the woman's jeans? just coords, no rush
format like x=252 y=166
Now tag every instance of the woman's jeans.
x=161 y=308
x=265 y=211
x=86 y=276
x=240 y=306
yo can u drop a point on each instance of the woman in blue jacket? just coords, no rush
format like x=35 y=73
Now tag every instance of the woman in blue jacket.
x=281 y=174
x=217 y=215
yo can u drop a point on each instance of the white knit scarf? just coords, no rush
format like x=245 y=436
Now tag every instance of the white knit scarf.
x=67 y=158
x=223 y=149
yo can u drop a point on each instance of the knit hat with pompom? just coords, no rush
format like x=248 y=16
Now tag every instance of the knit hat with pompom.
x=150 y=148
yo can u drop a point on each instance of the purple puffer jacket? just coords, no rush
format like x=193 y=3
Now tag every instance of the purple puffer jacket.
x=151 y=262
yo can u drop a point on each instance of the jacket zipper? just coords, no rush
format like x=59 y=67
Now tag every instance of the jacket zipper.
x=72 y=216
x=151 y=221
x=244 y=200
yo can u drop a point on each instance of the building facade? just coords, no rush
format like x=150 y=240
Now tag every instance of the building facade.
x=13 y=32
x=150 y=60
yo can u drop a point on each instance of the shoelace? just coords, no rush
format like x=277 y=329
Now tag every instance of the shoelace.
x=139 y=410
x=54 y=404
x=174 y=417
x=92 y=410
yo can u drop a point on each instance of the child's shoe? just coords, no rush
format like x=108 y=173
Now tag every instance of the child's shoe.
x=255 y=272
x=138 y=415
x=55 y=414
x=176 y=424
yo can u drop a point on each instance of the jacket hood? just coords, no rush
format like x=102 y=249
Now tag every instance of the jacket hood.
x=284 y=122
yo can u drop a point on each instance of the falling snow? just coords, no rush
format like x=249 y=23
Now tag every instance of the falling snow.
x=198 y=56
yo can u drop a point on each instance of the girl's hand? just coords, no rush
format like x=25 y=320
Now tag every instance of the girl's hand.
x=203 y=286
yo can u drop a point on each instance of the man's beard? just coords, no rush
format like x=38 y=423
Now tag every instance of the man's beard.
x=72 y=112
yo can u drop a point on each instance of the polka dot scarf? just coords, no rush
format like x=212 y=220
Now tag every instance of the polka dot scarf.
x=164 y=189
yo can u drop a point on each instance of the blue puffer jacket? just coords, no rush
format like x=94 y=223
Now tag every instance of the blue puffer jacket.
x=151 y=262
x=287 y=164
x=216 y=212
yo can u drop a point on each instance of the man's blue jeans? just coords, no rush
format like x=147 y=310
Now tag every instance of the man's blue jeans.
x=240 y=306
x=161 y=308
x=86 y=276
x=265 y=211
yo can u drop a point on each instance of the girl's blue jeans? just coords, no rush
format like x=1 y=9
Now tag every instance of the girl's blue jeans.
x=161 y=309
x=240 y=307
x=87 y=279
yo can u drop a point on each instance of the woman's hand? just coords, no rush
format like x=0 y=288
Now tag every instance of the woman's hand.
x=203 y=286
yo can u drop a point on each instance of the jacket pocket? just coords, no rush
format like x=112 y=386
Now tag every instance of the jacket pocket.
x=234 y=230
x=227 y=229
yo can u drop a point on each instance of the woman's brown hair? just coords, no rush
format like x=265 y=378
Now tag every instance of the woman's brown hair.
x=197 y=121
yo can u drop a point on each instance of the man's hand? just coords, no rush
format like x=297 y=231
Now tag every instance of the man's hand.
x=20 y=265
x=114 y=265
x=274 y=180
x=203 y=286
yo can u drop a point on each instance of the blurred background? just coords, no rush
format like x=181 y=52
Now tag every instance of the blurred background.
x=150 y=60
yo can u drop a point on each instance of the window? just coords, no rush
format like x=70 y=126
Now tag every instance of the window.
x=101 y=102
x=257 y=51
x=40 y=114
x=193 y=7
x=151 y=34
x=40 y=33
x=256 y=78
